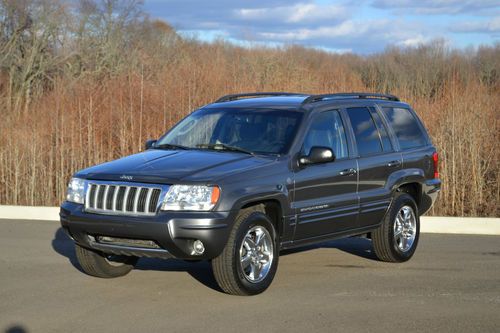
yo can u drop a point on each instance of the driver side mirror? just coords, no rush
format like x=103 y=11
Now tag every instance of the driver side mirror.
x=150 y=144
x=318 y=155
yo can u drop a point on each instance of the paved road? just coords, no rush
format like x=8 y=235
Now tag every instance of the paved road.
x=452 y=284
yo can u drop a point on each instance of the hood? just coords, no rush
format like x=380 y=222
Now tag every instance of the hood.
x=169 y=166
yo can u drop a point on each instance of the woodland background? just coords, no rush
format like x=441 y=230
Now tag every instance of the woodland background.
x=82 y=82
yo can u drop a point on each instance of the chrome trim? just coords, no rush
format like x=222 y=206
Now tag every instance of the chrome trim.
x=136 y=199
x=105 y=199
x=115 y=195
x=131 y=250
x=148 y=199
x=114 y=210
x=125 y=199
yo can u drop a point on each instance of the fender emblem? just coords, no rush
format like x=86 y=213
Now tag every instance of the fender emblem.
x=307 y=209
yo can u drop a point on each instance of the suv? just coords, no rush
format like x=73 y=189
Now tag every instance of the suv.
x=249 y=175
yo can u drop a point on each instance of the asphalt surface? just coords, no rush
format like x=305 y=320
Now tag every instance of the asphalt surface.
x=452 y=284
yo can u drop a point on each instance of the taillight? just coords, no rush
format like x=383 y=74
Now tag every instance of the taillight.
x=435 y=160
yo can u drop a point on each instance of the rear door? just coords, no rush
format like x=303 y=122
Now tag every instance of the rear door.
x=325 y=194
x=377 y=160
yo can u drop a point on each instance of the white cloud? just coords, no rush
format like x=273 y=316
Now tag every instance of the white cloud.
x=491 y=26
x=298 y=13
x=351 y=29
x=449 y=7
x=414 y=41
x=346 y=29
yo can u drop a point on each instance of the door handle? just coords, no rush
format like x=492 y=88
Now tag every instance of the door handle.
x=348 y=172
x=393 y=164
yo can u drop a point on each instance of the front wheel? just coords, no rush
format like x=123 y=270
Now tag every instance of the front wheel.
x=249 y=261
x=103 y=265
x=397 y=237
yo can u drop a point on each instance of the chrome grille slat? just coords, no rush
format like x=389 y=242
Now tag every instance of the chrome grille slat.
x=148 y=199
x=96 y=193
x=155 y=197
x=115 y=195
x=105 y=199
x=121 y=196
x=135 y=199
x=125 y=199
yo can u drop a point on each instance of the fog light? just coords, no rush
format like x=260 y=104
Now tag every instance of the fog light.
x=198 y=247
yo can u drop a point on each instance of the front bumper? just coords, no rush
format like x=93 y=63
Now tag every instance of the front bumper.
x=172 y=232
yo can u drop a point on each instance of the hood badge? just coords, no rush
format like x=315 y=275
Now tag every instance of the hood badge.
x=126 y=177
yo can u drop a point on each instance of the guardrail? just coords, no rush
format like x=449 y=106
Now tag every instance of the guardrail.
x=428 y=224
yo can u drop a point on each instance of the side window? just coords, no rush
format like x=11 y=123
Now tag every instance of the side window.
x=405 y=127
x=327 y=130
x=386 y=142
x=367 y=135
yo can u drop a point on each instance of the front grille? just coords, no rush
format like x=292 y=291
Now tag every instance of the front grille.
x=122 y=199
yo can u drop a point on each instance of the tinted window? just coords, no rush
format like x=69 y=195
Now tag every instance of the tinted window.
x=405 y=127
x=367 y=136
x=259 y=131
x=327 y=130
x=386 y=142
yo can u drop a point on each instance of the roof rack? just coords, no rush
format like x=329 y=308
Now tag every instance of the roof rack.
x=318 y=98
x=232 y=97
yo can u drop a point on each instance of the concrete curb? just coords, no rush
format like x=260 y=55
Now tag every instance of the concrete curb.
x=428 y=224
x=460 y=225
x=29 y=213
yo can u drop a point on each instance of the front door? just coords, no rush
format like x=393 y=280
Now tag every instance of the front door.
x=325 y=198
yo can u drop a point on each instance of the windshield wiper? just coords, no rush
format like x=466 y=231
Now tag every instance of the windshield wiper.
x=170 y=146
x=222 y=146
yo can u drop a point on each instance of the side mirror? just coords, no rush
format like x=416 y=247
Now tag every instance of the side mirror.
x=150 y=144
x=318 y=155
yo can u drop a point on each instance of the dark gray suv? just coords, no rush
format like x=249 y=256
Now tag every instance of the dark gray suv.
x=249 y=175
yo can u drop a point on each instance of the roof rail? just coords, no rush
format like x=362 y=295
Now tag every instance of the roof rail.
x=318 y=98
x=232 y=97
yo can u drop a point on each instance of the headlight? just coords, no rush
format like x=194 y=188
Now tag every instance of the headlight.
x=76 y=190
x=191 y=197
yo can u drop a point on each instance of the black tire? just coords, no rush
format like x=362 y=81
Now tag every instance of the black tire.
x=96 y=263
x=385 y=245
x=227 y=268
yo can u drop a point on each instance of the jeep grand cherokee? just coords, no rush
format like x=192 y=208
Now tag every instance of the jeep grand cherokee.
x=249 y=175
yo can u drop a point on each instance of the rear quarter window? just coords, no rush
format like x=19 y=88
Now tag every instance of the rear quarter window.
x=405 y=127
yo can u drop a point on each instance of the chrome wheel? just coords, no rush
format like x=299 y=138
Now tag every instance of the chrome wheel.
x=405 y=228
x=256 y=254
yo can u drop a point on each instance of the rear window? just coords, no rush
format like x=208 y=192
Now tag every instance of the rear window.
x=406 y=127
x=367 y=135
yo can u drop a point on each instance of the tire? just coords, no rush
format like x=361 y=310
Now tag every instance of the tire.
x=396 y=241
x=97 y=263
x=236 y=269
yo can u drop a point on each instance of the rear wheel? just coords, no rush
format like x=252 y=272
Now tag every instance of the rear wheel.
x=249 y=261
x=103 y=265
x=397 y=238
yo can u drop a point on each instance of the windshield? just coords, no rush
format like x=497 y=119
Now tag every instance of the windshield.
x=255 y=131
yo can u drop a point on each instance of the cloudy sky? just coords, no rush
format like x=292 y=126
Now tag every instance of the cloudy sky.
x=363 y=26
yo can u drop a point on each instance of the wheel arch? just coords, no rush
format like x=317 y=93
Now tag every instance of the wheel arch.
x=272 y=208
x=409 y=181
x=414 y=189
